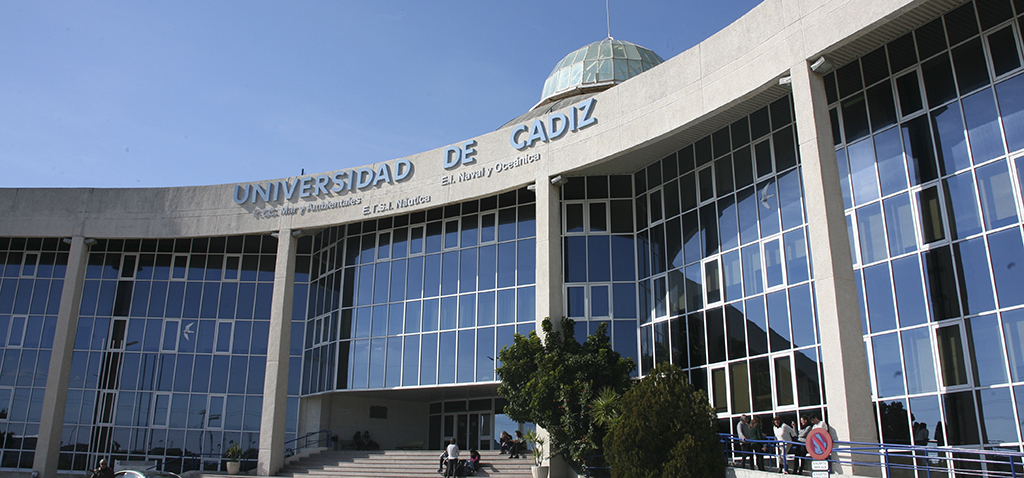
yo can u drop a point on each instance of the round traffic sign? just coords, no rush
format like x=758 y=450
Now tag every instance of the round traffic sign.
x=819 y=444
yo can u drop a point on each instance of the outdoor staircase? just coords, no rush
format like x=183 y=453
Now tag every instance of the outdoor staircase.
x=398 y=464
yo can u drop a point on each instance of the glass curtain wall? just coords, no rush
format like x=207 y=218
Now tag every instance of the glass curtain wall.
x=705 y=254
x=928 y=132
x=599 y=258
x=426 y=298
x=31 y=280
x=170 y=352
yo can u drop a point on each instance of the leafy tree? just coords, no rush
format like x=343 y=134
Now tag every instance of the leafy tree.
x=666 y=428
x=552 y=383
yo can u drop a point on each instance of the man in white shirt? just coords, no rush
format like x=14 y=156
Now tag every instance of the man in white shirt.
x=453 y=457
x=783 y=433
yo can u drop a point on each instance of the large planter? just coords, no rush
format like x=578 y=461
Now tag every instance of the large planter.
x=539 y=471
x=233 y=467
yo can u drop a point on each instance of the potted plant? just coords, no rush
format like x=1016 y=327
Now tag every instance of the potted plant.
x=537 y=449
x=233 y=454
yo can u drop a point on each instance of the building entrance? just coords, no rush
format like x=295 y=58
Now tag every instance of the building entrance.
x=472 y=430
x=470 y=422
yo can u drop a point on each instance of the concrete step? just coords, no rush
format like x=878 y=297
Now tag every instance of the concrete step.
x=396 y=464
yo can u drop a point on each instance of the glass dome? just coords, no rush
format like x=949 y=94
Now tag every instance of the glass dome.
x=602 y=63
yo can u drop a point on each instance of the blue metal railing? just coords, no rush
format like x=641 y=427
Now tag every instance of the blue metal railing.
x=203 y=462
x=216 y=461
x=895 y=460
x=321 y=438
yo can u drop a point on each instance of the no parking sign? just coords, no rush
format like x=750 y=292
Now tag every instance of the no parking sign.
x=819 y=444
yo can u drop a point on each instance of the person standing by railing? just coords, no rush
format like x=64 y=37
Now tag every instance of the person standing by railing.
x=758 y=447
x=783 y=433
x=743 y=447
x=800 y=452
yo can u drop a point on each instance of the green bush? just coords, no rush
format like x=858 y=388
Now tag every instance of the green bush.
x=553 y=382
x=666 y=428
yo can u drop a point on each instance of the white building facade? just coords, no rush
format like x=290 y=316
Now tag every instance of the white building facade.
x=818 y=208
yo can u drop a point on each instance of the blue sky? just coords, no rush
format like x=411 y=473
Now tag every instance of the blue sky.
x=174 y=93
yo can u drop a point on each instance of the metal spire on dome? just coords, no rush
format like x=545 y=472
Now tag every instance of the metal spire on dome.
x=608 y=15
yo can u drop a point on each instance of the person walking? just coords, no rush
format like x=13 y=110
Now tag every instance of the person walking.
x=784 y=434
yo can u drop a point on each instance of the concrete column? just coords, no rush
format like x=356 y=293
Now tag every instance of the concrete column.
x=549 y=281
x=275 y=386
x=549 y=251
x=51 y=425
x=847 y=383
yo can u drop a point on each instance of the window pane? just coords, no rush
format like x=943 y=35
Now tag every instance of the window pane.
x=949 y=138
x=844 y=178
x=855 y=118
x=747 y=209
x=888 y=368
x=971 y=71
x=889 y=151
x=909 y=91
x=997 y=425
x=1007 y=251
x=917 y=143
x=1011 y=106
x=757 y=326
x=986 y=353
x=942 y=284
x=711 y=282
x=769 y=210
x=735 y=328
x=975 y=280
x=790 y=199
x=931 y=215
x=1013 y=330
x=938 y=80
x=761 y=385
x=599 y=301
x=1003 y=48
x=917 y=353
x=951 y=356
x=573 y=218
x=719 y=391
x=731 y=275
x=878 y=289
x=783 y=381
x=796 y=256
x=575 y=302
x=899 y=220
x=773 y=263
x=882 y=106
x=727 y=225
x=862 y=170
x=624 y=298
x=997 y=199
x=983 y=126
x=778 y=320
x=801 y=309
x=909 y=292
x=740 y=387
x=485 y=355
x=961 y=424
x=872 y=234
x=753 y=280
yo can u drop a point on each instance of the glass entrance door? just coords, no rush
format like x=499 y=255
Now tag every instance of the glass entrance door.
x=472 y=430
